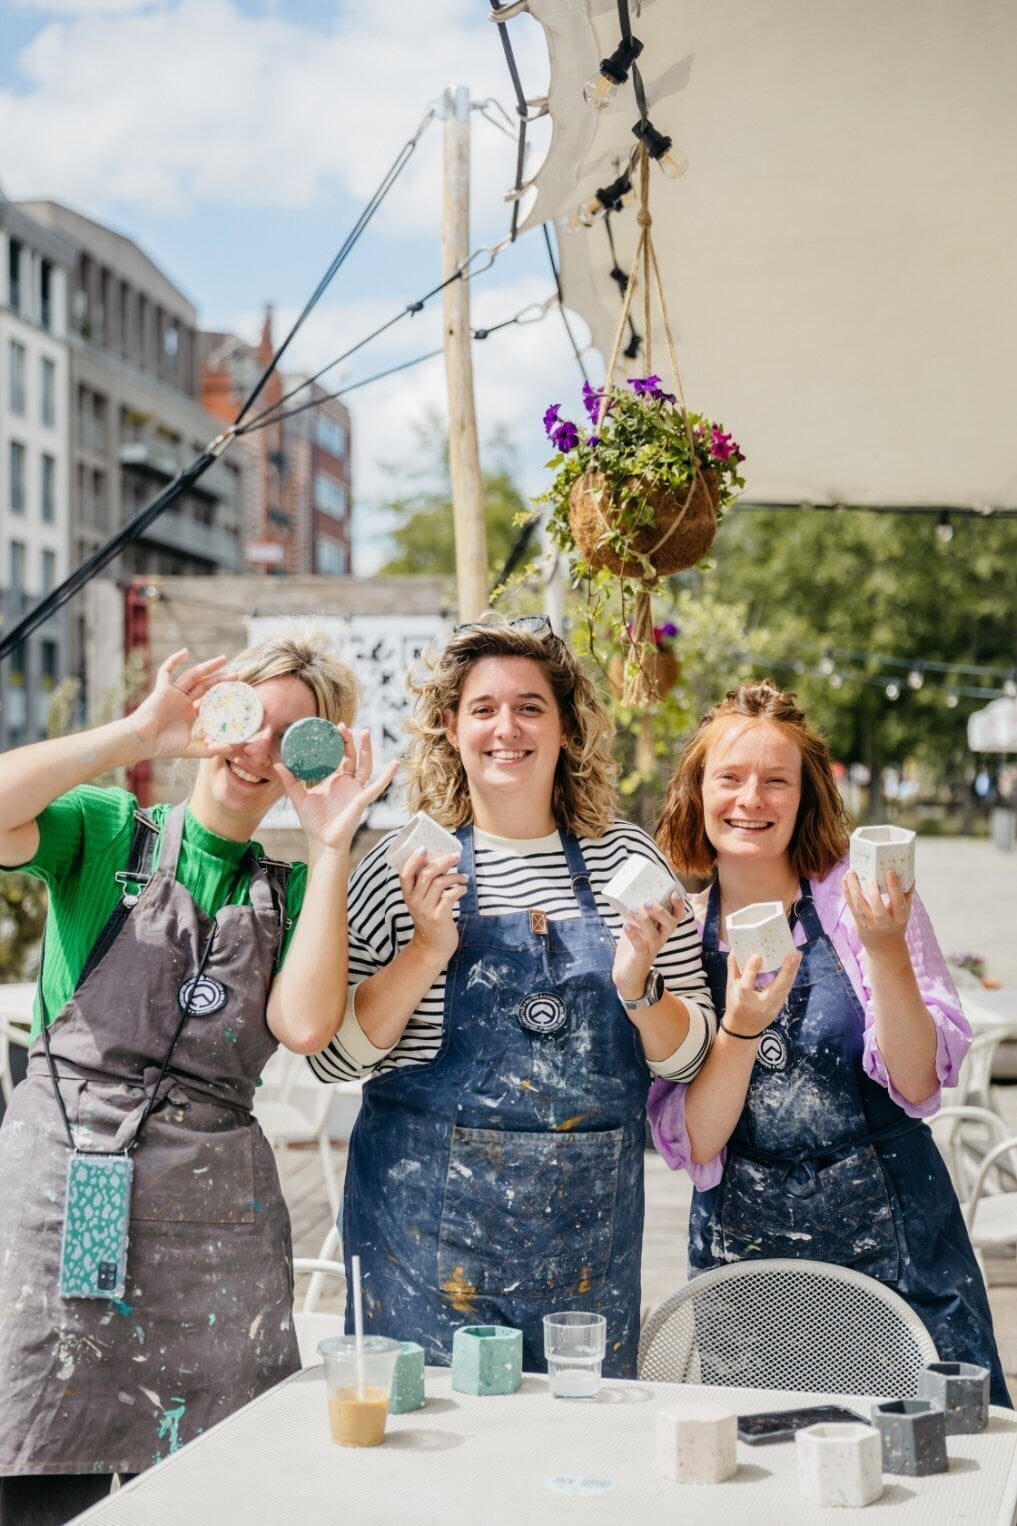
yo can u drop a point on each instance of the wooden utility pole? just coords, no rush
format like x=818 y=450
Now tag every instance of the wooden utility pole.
x=463 y=452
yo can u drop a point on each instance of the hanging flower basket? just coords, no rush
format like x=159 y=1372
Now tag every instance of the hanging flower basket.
x=663 y=668
x=678 y=534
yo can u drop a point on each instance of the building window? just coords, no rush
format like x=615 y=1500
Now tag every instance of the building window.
x=17 y=478
x=330 y=435
x=14 y=264
x=330 y=496
x=48 y=490
x=330 y=556
x=16 y=376
x=48 y=571
x=46 y=309
x=47 y=399
x=49 y=663
x=17 y=566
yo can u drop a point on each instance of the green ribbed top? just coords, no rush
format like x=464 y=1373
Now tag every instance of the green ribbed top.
x=84 y=840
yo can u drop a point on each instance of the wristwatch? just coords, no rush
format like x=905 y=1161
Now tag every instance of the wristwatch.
x=650 y=997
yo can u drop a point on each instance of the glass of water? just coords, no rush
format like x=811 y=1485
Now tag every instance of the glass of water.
x=574 y=1347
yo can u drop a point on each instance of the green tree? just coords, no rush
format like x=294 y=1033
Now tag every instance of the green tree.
x=423 y=536
x=836 y=592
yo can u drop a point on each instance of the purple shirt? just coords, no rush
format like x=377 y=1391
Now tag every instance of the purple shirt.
x=666 y=1105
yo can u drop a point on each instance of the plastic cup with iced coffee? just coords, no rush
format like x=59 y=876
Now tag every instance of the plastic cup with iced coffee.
x=358 y=1384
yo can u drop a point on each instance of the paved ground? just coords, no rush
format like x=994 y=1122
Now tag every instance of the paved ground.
x=970 y=889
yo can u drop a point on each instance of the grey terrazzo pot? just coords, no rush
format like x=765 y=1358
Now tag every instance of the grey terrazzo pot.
x=961 y=1391
x=913 y=1434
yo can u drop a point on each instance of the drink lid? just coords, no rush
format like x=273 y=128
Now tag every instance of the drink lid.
x=229 y=712
x=312 y=749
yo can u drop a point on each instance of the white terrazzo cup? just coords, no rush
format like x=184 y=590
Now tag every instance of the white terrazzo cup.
x=697 y=1444
x=639 y=879
x=839 y=1464
x=760 y=929
x=874 y=850
x=420 y=832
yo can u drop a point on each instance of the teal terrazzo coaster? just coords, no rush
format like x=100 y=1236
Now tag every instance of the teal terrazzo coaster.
x=312 y=749
x=408 y=1381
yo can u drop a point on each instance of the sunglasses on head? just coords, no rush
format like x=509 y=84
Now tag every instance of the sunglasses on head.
x=537 y=625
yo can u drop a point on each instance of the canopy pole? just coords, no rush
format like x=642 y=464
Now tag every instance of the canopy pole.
x=463 y=451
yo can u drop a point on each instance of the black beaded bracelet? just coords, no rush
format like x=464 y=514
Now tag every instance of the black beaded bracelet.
x=734 y=1035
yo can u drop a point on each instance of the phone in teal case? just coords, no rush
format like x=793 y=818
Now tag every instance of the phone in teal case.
x=93 y=1255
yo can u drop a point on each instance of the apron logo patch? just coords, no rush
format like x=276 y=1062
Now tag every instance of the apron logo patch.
x=772 y=1050
x=202 y=997
x=543 y=1012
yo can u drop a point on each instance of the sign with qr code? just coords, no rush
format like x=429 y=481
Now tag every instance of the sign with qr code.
x=381 y=650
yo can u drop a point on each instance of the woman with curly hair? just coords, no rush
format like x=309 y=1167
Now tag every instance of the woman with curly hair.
x=507 y=1020
x=803 y=1132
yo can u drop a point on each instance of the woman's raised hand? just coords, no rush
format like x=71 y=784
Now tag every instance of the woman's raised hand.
x=431 y=887
x=644 y=932
x=164 y=721
x=747 y=1011
x=330 y=811
x=881 y=923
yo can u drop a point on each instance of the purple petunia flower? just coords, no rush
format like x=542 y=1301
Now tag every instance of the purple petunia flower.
x=565 y=436
x=593 y=441
x=650 y=385
x=551 y=418
x=670 y=629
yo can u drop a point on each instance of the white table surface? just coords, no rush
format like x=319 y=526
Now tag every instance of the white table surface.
x=523 y=1459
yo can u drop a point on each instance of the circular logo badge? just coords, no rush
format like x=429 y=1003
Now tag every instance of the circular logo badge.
x=201 y=997
x=772 y=1051
x=542 y=1013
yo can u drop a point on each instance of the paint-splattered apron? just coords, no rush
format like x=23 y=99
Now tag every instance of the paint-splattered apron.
x=205 y=1322
x=824 y=1164
x=504 y=1179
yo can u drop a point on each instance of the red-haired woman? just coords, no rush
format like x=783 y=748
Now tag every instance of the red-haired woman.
x=803 y=1132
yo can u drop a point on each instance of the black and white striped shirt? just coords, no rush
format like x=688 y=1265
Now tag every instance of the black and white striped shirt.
x=511 y=876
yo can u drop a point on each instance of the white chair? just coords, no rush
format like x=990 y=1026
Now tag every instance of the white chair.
x=12 y=1032
x=786 y=1323
x=974 y=1084
x=990 y=1210
x=292 y=1106
x=311 y=1323
x=964 y=1136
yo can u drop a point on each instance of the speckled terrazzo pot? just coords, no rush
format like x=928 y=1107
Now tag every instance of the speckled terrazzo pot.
x=913 y=1433
x=760 y=929
x=961 y=1390
x=408 y=1380
x=697 y=1444
x=839 y=1464
x=487 y=1359
x=875 y=850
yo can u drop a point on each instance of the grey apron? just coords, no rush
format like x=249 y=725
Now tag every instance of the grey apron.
x=205 y=1323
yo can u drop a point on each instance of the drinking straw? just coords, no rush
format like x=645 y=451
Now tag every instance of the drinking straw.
x=358 y=1326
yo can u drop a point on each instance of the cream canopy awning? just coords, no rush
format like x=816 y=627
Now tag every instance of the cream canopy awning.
x=840 y=257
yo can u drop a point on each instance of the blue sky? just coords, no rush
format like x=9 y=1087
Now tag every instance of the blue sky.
x=237 y=142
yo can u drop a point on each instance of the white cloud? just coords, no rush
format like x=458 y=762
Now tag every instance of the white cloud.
x=167 y=107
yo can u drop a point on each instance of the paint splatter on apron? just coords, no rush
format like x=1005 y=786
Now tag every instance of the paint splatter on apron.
x=205 y=1322
x=504 y=1178
x=824 y=1164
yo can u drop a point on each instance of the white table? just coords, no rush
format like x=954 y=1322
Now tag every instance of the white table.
x=522 y=1460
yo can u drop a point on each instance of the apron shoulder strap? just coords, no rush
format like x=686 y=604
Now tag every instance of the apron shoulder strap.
x=277 y=871
x=136 y=875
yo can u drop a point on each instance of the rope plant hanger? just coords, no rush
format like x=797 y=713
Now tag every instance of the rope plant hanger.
x=641 y=529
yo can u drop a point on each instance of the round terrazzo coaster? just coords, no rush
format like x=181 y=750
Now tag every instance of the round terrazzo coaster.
x=229 y=712
x=312 y=749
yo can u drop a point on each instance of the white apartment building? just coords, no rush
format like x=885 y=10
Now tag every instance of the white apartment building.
x=34 y=460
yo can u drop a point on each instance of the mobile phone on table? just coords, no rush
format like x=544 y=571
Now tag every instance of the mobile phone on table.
x=781 y=1424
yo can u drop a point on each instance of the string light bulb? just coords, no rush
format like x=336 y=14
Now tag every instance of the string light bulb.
x=601 y=90
x=944 y=528
x=952 y=699
x=826 y=663
x=659 y=146
x=836 y=681
x=916 y=678
x=609 y=198
x=893 y=689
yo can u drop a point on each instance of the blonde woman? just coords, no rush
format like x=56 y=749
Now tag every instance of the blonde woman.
x=506 y=1019
x=172 y=969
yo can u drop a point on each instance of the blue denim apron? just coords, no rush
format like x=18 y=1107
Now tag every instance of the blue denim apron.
x=503 y=1179
x=824 y=1164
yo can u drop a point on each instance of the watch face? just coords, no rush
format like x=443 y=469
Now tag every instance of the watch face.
x=655 y=988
